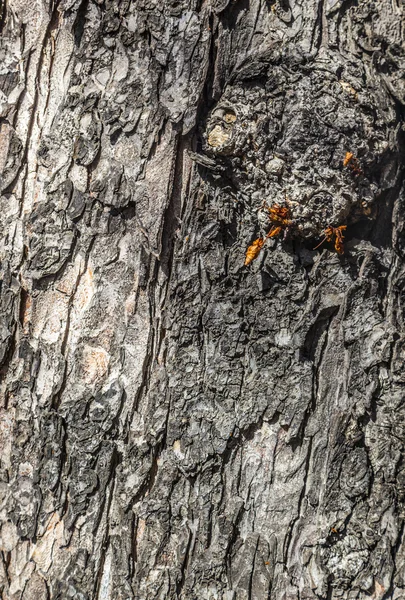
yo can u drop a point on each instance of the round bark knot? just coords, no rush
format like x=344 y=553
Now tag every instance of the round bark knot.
x=227 y=130
x=218 y=136
x=314 y=140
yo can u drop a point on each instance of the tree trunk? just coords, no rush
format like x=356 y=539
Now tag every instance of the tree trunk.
x=176 y=424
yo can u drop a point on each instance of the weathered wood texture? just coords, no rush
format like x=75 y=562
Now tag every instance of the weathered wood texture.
x=175 y=424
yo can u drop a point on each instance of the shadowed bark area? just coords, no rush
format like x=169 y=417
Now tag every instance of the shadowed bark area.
x=175 y=424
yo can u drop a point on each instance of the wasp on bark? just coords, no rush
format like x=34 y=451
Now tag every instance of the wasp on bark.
x=280 y=216
x=334 y=233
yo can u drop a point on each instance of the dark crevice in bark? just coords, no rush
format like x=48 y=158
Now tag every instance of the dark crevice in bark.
x=317 y=35
x=115 y=461
x=209 y=94
x=239 y=437
x=8 y=356
x=320 y=326
x=80 y=22
x=317 y=334
x=134 y=546
x=329 y=592
x=3 y=14
x=156 y=139
x=233 y=538
x=6 y=557
x=172 y=214
x=100 y=570
x=149 y=481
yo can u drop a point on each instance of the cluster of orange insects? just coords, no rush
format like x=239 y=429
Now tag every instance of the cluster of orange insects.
x=280 y=216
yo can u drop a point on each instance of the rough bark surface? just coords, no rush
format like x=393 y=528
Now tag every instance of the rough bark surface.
x=174 y=424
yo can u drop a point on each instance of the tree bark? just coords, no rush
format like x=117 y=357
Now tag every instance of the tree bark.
x=176 y=424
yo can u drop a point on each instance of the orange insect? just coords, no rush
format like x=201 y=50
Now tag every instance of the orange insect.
x=351 y=161
x=339 y=237
x=253 y=250
x=337 y=233
x=273 y=232
x=280 y=215
x=347 y=158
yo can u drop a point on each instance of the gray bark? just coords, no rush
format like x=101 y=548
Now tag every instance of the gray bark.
x=174 y=424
